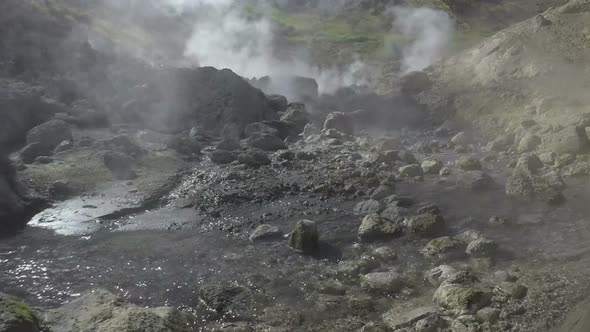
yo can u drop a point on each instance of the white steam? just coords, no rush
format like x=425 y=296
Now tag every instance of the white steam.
x=430 y=30
x=223 y=38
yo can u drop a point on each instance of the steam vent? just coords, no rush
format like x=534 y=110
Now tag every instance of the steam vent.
x=294 y=166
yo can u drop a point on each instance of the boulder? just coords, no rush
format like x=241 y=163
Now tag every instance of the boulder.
x=228 y=145
x=206 y=96
x=339 y=121
x=101 y=310
x=17 y=206
x=469 y=164
x=432 y=166
x=482 y=248
x=528 y=182
x=223 y=157
x=296 y=114
x=528 y=143
x=571 y=140
x=254 y=158
x=367 y=207
x=50 y=134
x=460 y=139
x=444 y=247
x=17 y=316
x=260 y=128
x=305 y=237
x=427 y=224
x=266 y=142
x=277 y=103
x=284 y=128
x=266 y=232
x=439 y=274
x=120 y=165
x=22 y=109
x=185 y=145
x=414 y=83
x=374 y=228
x=29 y=153
x=461 y=298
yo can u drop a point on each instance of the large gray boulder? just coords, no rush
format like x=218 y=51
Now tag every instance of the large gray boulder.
x=22 y=108
x=339 y=121
x=17 y=206
x=101 y=310
x=297 y=114
x=50 y=134
x=17 y=316
x=179 y=99
x=528 y=181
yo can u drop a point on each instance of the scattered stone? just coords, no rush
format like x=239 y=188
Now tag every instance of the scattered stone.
x=488 y=315
x=387 y=282
x=439 y=274
x=469 y=164
x=367 y=207
x=432 y=166
x=310 y=130
x=427 y=224
x=526 y=182
x=482 y=248
x=120 y=165
x=305 y=237
x=50 y=134
x=444 y=247
x=396 y=320
x=223 y=157
x=266 y=232
x=411 y=170
x=375 y=228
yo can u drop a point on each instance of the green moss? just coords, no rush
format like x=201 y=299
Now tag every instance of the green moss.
x=18 y=309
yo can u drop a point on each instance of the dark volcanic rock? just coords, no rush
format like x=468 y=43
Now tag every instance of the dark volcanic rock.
x=297 y=114
x=17 y=316
x=305 y=237
x=29 y=153
x=339 y=121
x=50 y=134
x=17 y=207
x=22 y=109
x=266 y=142
x=229 y=301
x=205 y=96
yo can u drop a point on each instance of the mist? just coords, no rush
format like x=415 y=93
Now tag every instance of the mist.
x=429 y=29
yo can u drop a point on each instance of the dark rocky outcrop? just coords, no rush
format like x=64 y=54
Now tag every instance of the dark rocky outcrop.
x=17 y=206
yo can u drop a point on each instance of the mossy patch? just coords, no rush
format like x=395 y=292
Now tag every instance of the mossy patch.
x=17 y=313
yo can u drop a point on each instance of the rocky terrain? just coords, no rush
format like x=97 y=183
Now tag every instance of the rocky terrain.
x=137 y=196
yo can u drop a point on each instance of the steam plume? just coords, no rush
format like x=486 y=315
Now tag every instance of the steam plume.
x=431 y=31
